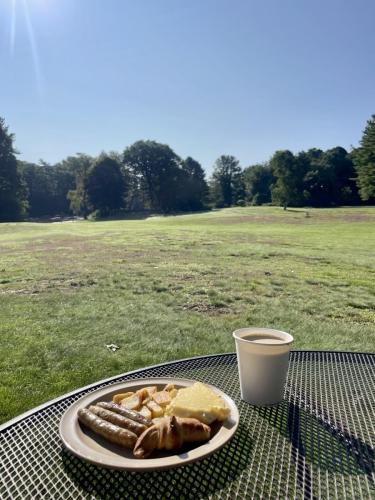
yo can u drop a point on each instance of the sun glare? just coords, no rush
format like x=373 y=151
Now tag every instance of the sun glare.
x=16 y=6
x=12 y=27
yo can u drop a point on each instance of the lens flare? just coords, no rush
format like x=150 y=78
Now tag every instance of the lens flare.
x=13 y=27
x=34 y=48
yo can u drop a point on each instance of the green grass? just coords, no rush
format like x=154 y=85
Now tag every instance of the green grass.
x=170 y=287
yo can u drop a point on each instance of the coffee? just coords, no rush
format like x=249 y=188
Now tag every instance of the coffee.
x=262 y=339
x=262 y=355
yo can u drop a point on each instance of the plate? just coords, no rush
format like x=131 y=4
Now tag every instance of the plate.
x=94 y=449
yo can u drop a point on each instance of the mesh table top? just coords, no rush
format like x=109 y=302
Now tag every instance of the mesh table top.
x=318 y=443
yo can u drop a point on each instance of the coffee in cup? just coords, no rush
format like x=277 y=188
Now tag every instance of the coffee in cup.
x=263 y=356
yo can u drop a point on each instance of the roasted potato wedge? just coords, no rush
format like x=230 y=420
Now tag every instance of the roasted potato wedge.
x=162 y=398
x=146 y=412
x=156 y=410
x=143 y=394
x=150 y=389
x=169 y=387
x=118 y=397
x=131 y=403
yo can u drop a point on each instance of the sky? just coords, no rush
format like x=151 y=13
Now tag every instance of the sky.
x=207 y=77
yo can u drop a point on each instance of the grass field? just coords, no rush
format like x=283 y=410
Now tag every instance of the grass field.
x=170 y=287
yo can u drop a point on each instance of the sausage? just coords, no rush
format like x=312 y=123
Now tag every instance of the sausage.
x=117 y=419
x=111 y=432
x=133 y=415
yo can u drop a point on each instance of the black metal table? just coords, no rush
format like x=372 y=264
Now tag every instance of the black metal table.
x=318 y=443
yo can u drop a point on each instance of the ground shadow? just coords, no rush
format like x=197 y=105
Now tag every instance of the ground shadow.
x=50 y=220
x=317 y=439
x=302 y=211
x=142 y=215
x=196 y=480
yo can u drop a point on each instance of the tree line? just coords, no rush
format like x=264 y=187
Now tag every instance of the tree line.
x=150 y=176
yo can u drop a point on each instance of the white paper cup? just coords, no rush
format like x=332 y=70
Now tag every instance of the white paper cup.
x=262 y=364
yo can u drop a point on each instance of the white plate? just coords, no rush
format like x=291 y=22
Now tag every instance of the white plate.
x=85 y=444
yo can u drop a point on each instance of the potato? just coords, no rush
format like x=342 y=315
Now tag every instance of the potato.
x=173 y=393
x=162 y=398
x=156 y=410
x=118 y=397
x=145 y=412
x=132 y=403
x=151 y=389
x=169 y=387
x=143 y=394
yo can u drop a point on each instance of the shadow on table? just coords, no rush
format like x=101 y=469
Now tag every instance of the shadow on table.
x=196 y=480
x=317 y=439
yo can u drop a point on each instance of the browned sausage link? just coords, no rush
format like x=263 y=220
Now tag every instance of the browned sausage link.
x=133 y=415
x=117 y=419
x=111 y=432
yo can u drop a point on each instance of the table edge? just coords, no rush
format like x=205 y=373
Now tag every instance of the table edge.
x=43 y=406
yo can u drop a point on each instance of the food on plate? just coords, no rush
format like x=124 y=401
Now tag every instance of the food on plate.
x=119 y=397
x=132 y=402
x=125 y=412
x=162 y=398
x=151 y=419
x=169 y=387
x=156 y=410
x=170 y=433
x=148 y=401
x=111 y=432
x=200 y=402
x=146 y=412
x=146 y=392
x=121 y=421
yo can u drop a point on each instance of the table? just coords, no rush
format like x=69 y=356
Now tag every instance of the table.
x=317 y=443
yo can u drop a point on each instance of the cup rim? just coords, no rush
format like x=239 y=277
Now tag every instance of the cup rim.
x=288 y=338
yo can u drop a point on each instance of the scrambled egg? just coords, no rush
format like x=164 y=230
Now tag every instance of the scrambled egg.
x=200 y=402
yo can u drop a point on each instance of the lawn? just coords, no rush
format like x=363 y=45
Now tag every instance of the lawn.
x=165 y=288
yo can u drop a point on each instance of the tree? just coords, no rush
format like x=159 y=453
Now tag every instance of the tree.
x=343 y=189
x=157 y=173
x=364 y=162
x=289 y=174
x=105 y=185
x=78 y=197
x=12 y=191
x=329 y=180
x=64 y=181
x=47 y=188
x=193 y=188
x=258 y=180
x=227 y=185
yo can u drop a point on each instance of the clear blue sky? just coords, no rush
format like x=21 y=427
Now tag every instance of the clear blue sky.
x=207 y=77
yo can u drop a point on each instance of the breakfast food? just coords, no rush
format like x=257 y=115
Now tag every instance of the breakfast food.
x=134 y=415
x=151 y=419
x=200 y=402
x=115 y=418
x=170 y=433
x=111 y=432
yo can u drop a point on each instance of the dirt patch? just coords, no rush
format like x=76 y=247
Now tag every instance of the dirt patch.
x=241 y=219
x=345 y=217
x=61 y=284
x=76 y=244
x=209 y=309
x=295 y=217
x=184 y=277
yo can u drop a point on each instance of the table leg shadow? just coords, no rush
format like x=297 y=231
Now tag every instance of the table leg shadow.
x=318 y=442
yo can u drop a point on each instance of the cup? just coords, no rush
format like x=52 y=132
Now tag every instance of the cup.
x=262 y=355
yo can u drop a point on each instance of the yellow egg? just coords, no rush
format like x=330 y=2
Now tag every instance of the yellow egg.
x=200 y=402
